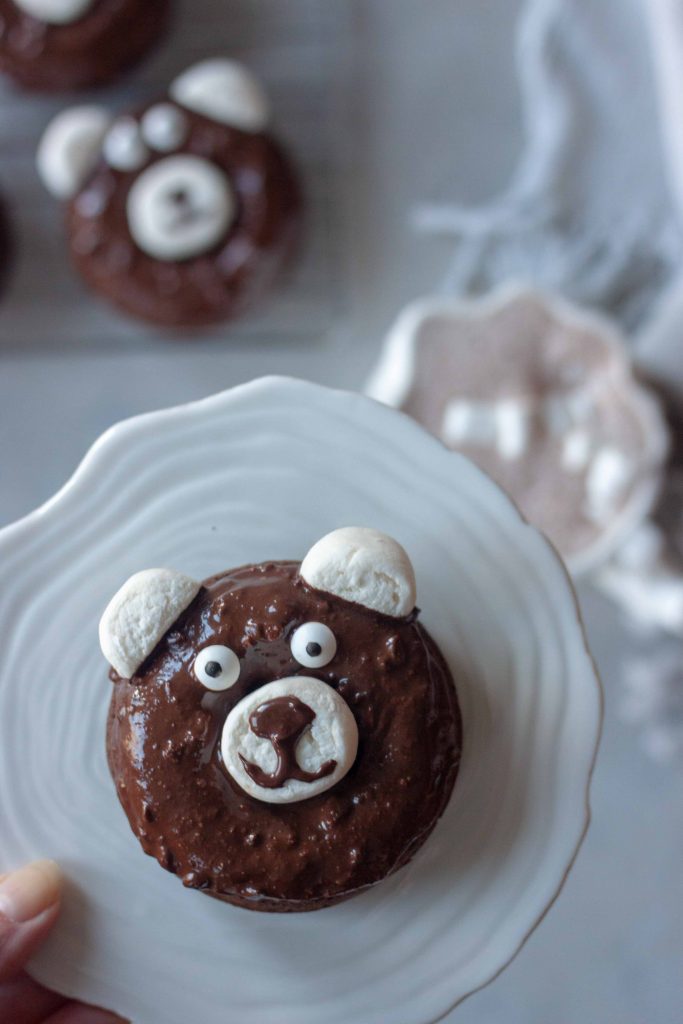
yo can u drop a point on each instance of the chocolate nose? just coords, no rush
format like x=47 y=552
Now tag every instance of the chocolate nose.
x=283 y=718
x=179 y=197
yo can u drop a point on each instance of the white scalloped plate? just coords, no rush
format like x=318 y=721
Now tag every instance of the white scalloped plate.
x=260 y=472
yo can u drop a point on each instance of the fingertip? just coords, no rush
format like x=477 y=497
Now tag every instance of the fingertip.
x=18 y=942
x=31 y=890
x=81 y=1013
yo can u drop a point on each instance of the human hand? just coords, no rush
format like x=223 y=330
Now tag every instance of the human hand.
x=29 y=906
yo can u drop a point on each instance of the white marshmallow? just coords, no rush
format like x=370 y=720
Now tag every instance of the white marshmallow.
x=55 y=12
x=167 y=228
x=364 y=566
x=226 y=92
x=139 y=615
x=70 y=147
x=504 y=425
x=332 y=736
x=512 y=428
x=124 y=148
x=467 y=421
x=164 y=127
x=609 y=473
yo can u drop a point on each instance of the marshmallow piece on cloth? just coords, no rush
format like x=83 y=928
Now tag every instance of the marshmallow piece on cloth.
x=365 y=566
x=140 y=613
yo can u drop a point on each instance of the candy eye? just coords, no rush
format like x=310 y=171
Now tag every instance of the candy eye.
x=314 y=645
x=164 y=127
x=124 y=148
x=217 y=667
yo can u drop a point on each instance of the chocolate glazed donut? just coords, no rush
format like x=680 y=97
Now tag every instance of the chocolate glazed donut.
x=211 y=286
x=284 y=804
x=93 y=42
x=183 y=211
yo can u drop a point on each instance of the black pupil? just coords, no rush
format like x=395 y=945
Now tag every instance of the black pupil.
x=213 y=669
x=313 y=650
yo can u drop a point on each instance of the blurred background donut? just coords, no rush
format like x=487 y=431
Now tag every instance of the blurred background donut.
x=60 y=45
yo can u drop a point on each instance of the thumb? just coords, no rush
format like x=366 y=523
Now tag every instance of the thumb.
x=29 y=904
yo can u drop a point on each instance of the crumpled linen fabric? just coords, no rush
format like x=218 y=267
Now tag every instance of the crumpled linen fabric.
x=589 y=211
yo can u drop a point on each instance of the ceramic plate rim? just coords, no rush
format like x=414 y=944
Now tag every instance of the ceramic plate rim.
x=120 y=433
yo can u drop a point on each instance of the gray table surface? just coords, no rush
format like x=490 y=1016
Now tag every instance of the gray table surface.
x=350 y=81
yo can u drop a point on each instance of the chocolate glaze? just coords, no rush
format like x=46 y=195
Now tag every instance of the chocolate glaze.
x=215 y=285
x=283 y=720
x=163 y=745
x=109 y=38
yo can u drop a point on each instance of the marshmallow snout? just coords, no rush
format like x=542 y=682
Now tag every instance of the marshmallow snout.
x=364 y=566
x=289 y=740
x=180 y=207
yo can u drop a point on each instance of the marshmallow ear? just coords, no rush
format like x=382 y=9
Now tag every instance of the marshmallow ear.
x=364 y=566
x=55 y=12
x=70 y=147
x=224 y=91
x=140 y=613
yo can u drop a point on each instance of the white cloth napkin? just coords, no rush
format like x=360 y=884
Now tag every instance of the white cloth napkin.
x=589 y=211
x=660 y=342
x=595 y=211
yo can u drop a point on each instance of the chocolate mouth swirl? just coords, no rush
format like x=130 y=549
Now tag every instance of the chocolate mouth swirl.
x=283 y=721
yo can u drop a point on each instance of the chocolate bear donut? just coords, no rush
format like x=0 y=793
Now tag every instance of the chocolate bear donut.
x=57 y=45
x=181 y=212
x=283 y=735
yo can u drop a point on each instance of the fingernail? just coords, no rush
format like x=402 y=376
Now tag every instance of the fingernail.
x=29 y=891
